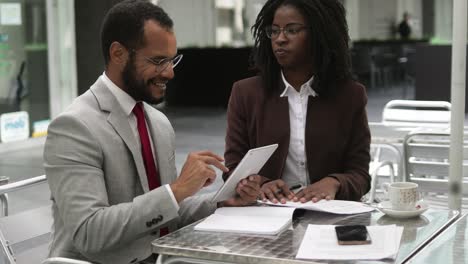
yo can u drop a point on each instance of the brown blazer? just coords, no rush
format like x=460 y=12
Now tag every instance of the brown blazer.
x=337 y=134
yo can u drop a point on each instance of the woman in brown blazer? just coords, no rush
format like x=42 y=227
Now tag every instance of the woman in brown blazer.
x=305 y=100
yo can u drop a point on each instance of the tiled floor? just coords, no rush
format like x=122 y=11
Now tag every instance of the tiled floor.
x=196 y=129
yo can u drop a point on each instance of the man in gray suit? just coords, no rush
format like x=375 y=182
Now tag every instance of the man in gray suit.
x=109 y=158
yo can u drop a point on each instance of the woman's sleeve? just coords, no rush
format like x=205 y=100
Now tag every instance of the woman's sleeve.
x=237 y=139
x=355 y=181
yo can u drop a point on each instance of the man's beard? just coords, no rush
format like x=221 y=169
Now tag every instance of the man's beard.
x=137 y=89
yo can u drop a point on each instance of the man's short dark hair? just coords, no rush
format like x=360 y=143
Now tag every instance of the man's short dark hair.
x=125 y=22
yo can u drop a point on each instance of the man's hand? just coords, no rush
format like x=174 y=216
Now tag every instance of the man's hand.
x=326 y=188
x=196 y=173
x=275 y=191
x=248 y=190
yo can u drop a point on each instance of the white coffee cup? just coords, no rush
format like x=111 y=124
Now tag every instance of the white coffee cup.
x=402 y=195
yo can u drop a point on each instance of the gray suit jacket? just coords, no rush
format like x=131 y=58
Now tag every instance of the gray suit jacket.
x=102 y=208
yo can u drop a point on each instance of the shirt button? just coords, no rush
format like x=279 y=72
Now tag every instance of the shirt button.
x=302 y=163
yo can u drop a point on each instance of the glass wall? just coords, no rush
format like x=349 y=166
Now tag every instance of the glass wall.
x=62 y=56
x=23 y=58
x=213 y=23
x=37 y=59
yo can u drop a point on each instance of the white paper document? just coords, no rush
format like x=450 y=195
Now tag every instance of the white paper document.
x=261 y=220
x=332 y=206
x=320 y=243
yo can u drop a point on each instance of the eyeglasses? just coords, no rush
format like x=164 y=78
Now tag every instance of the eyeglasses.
x=161 y=65
x=289 y=31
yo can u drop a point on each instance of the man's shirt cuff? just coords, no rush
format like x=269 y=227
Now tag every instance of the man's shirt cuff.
x=174 y=201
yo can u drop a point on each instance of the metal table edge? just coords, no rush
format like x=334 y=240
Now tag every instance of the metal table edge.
x=456 y=216
x=172 y=252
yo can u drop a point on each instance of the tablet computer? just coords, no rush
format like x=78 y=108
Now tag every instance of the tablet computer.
x=251 y=163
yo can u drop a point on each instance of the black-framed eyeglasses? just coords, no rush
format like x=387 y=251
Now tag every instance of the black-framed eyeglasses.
x=289 y=31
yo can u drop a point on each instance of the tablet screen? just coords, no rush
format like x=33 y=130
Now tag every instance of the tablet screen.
x=252 y=163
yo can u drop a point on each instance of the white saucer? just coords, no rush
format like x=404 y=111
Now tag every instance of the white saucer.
x=385 y=206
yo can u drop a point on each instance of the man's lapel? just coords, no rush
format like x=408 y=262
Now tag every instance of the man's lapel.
x=119 y=122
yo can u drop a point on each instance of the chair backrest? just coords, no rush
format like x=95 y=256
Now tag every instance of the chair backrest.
x=426 y=155
x=414 y=113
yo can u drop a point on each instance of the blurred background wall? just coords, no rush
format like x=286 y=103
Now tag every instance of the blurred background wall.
x=50 y=51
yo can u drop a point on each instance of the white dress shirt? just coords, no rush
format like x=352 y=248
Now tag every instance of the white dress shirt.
x=127 y=103
x=295 y=170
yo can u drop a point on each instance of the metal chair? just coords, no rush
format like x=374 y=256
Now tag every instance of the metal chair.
x=407 y=62
x=25 y=236
x=15 y=186
x=426 y=155
x=386 y=158
x=362 y=65
x=414 y=113
x=382 y=168
x=384 y=61
x=405 y=115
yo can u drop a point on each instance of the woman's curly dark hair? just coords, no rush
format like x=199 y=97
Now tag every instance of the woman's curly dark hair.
x=329 y=44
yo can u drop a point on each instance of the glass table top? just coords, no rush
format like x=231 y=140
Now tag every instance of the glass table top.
x=449 y=247
x=240 y=248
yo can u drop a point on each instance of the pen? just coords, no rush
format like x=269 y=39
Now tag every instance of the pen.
x=294 y=187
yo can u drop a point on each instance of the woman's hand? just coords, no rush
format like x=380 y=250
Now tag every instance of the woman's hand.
x=326 y=188
x=275 y=191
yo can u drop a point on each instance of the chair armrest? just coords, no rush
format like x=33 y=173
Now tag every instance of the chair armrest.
x=59 y=260
x=374 y=177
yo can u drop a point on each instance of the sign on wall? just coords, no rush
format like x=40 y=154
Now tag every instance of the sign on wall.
x=14 y=126
x=10 y=14
x=40 y=128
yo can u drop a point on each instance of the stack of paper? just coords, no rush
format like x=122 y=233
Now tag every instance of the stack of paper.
x=260 y=220
x=332 y=206
x=320 y=243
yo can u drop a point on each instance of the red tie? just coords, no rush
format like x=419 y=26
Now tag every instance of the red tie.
x=151 y=172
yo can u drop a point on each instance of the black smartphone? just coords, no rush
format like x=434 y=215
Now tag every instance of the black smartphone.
x=352 y=235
